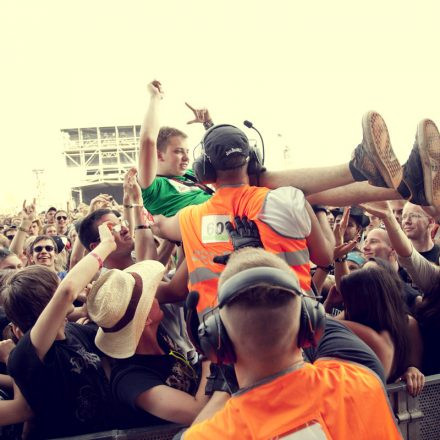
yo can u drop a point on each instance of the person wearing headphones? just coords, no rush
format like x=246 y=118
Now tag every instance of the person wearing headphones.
x=261 y=324
x=287 y=224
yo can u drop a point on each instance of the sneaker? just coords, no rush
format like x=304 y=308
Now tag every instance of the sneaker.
x=374 y=159
x=421 y=177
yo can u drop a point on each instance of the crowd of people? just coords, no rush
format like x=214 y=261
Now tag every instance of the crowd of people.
x=233 y=300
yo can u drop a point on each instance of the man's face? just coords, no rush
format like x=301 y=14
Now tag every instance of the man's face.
x=50 y=217
x=123 y=239
x=174 y=161
x=352 y=228
x=397 y=208
x=415 y=222
x=34 y=229
x=44 y=253
x=61 y=219
x=377 y=245
x=11 y=262
x=51 y=230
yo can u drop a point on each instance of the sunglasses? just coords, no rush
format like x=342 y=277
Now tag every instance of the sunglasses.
x=10 y=237
x=48 y=248
x=61 y=217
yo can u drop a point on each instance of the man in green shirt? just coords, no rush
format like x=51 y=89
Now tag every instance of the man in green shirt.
x=167 y=185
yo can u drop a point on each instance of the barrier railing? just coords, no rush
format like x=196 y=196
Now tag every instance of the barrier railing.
x=418 y=417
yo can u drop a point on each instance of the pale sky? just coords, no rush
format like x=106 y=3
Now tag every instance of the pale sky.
x=306 y=70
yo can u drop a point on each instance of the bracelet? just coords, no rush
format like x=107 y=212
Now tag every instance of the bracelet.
x=327 y=269
x=208 y=124
x=141 y=227
x=341 y=260
x=134 y=205
x=23 y=229
x=98 y=258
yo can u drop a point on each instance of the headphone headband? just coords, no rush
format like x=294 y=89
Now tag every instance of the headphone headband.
x=254 y=276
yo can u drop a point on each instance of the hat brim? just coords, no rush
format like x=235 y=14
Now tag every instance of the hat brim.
x=122 y=343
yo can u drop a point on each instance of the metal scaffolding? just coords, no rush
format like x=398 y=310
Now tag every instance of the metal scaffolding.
x=101 y=154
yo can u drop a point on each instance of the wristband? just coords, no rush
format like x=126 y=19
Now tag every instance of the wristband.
x=141 y=227
x=327 y=269
x=22 y=229
x=341 y=260
x=98 y=258
x=133 y=206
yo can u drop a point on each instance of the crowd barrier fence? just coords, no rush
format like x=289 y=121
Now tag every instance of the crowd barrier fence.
x=418 y=417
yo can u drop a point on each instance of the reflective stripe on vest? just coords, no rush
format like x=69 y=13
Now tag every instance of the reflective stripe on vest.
x=202 y=274
x=295 y=258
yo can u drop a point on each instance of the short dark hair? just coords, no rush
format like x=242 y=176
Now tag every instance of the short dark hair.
x=26 y=293
x=88 y=231
x=41 y=238
x=52 y=208
x=165 y=133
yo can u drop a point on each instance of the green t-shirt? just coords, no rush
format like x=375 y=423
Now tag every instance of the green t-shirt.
x=167 y=196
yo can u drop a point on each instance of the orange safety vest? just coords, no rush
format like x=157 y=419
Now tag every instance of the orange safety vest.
x=344 y=401
x=204 y=236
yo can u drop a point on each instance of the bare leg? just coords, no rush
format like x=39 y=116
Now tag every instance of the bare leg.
x=308 y=180
x=353 y=194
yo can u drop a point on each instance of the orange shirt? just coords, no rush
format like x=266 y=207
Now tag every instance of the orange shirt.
x=342 y=400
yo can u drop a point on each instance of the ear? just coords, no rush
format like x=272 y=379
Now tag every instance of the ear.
x=160 y=156
x=148 y=322
x=93 y=245
x=17 y=332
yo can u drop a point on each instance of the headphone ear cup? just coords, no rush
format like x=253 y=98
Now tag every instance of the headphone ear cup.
x=209 y=337
x=312 y=322
x=203 y=170
x=255 y=165
x=214 y=340
x=226 y=353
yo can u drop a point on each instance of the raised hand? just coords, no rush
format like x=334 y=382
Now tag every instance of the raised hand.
x=106 y=236
x=29 y=211
x=132 y=189
x=379 y=209
x=99 y=202
x=200 y=115
x=155 y=89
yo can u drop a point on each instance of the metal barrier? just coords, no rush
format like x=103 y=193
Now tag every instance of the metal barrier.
x=418 y=417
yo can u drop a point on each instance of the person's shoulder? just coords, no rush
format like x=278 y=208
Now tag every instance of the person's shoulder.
x=285 y=211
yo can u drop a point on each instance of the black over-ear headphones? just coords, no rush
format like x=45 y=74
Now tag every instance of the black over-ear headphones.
x=204 y=170
x=213 y=338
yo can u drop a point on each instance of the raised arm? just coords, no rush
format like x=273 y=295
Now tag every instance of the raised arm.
x=28 y=215
x=167 y=227
x=144 y=246
x=422 y=272
x=321 y=241
x=48 y=324
x=148 y=137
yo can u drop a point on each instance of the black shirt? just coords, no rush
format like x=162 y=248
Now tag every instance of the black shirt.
x=131 y=377
x=340 y=342
x=68 y=391
x=432 y=255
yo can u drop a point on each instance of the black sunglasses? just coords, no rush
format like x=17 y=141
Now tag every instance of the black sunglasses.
x=10 y=237
x=48 y=248
x=61 y=217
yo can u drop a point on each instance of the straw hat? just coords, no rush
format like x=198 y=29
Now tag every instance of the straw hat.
x=119 y=302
